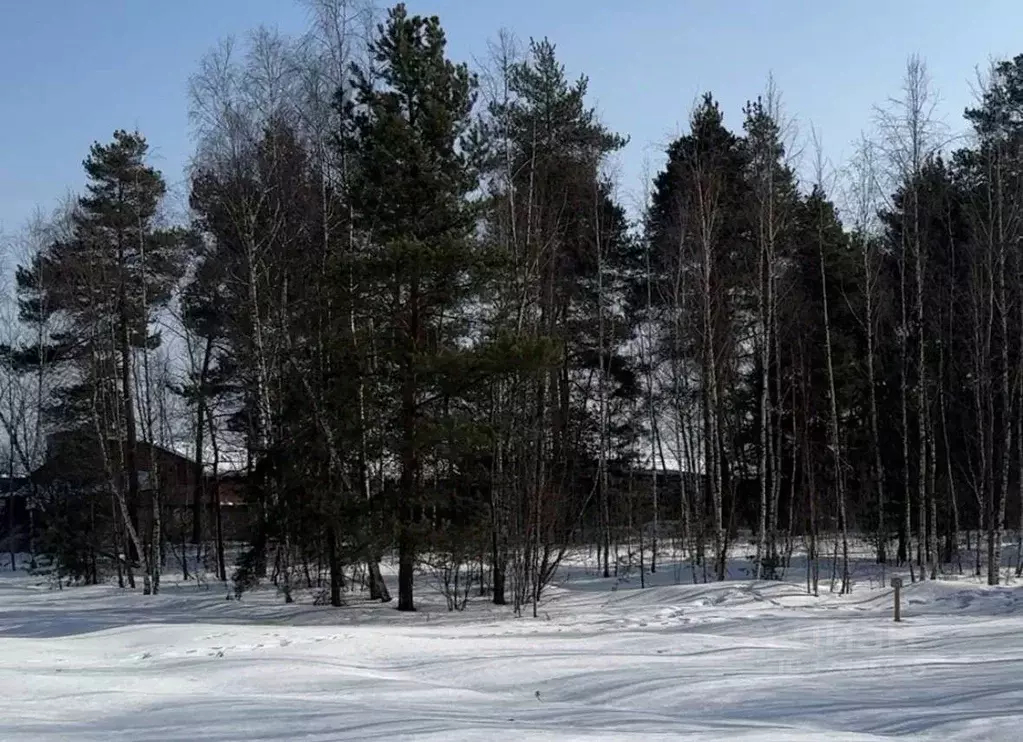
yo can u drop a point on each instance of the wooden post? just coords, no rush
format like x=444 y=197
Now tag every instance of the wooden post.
x=897 y=584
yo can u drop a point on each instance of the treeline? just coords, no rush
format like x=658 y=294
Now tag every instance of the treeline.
x=409 y=294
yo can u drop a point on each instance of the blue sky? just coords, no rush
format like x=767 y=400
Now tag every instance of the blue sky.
x=72 y=71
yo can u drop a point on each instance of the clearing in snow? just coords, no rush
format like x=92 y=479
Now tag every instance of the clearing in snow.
x=606 y=660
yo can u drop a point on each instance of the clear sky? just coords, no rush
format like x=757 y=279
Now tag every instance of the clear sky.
x=73 y=71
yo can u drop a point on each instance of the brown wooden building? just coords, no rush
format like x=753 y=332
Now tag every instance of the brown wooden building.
x=77 y=464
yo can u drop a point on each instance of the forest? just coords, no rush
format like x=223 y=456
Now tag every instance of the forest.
x=409 y=307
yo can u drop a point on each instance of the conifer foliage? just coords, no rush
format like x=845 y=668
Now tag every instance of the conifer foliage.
x=409 y=320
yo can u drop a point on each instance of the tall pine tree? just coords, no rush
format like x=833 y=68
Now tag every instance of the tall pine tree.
x=107 y=281
x=406 y=136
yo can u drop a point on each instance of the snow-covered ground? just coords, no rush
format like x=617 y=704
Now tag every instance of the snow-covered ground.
x=606 y=660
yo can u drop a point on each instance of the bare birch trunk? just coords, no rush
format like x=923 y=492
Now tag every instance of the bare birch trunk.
x=217 y=503
x=712 y=447
x=906 y=542
x=836 y=440
x=604 y=503
x=651 y=413
x=921 y=383
x=932 y=500
x=764 y=301
x=952 y=549
x=882 y=524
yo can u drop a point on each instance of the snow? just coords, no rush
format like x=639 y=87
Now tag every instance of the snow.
x=606 y=660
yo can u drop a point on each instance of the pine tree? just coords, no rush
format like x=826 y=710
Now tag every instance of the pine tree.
x=564 y=246
x=697 y=228
x=108 y=280
x=406 y=135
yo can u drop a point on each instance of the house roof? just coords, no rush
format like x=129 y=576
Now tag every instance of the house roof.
x=9 y=485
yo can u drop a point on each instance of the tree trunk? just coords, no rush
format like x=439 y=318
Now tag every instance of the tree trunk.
x=377 y=587
x=498 y=580
x=712 y=447
x=906 y=532
x=334 y=565
x=654 y=428
x=1019 y=461
x=604 y=500
x=921 y=395
x=156 y=560
x=10 y=509
x=116 y=536
x=498 y=528
x=217 y=504
x=932 y=500
x=406 y=563
x=409 y=483
x=776 y=453
x=952 y=549
x=1005 y=444
x=836 y=439
x=765 y=399
x=130 y=443
x=197 y=493
x=882 y=520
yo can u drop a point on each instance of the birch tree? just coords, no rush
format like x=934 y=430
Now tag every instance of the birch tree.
x=909 y=138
